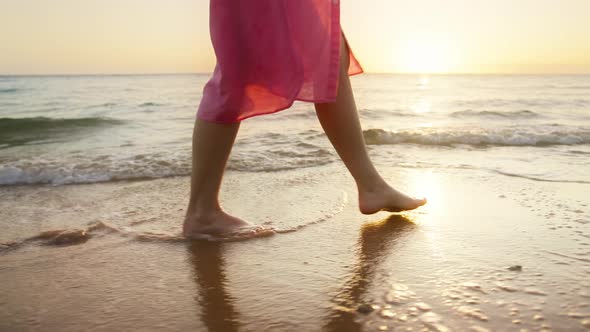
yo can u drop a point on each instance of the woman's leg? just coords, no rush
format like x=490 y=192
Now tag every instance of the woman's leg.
x=212 y=143
x=342 y=126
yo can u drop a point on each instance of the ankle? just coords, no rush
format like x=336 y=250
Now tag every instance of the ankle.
x=200 y=209
x=372 y=185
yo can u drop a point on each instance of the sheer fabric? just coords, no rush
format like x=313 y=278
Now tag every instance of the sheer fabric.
x=271 y=53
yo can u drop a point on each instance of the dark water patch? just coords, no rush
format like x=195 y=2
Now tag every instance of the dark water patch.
x=103 y=105
x=17 y=125
x=578 y=152
x=18 y=131
x=150 y=104
x=51 y=103
x=9 y=90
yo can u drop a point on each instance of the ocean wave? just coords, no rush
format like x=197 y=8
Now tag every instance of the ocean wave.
x=478 y=137
x=521 y=102
x=523 y=114
x=16 y=131
x=28 y=173
x=100 y=169
x=279 y=160
x=9 y=90
x=80 y=169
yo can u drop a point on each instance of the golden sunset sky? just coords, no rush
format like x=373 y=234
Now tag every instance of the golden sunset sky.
x=171 y=36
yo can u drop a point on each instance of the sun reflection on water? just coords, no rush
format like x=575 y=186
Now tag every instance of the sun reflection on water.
x=424 y=81
x=423 y=106
x=426 y=184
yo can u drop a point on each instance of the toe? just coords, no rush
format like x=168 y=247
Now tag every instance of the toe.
x=421 y=201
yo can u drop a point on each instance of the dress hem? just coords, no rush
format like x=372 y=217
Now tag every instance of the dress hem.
x=240 y=119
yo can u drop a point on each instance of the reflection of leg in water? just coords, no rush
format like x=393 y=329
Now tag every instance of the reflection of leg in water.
x=376 y=243
x=217 y=310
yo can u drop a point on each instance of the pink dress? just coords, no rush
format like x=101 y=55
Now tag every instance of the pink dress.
x=271 y=53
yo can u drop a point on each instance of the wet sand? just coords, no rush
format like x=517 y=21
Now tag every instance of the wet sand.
x=489 y=252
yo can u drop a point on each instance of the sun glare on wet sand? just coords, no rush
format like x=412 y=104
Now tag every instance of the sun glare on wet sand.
x=426 y=185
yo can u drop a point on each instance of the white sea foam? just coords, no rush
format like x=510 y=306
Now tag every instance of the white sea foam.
x=480 y=136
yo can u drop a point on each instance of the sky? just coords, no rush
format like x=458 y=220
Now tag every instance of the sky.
x=397 y=36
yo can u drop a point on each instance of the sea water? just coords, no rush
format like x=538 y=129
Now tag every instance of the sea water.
x=502 y=245
x=81 y=129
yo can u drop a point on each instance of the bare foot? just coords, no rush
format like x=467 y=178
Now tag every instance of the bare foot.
x=385 y=198
x=213 y=223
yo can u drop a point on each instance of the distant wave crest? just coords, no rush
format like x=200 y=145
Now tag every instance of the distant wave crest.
x=548 y=103
x=16 y=131
x=41 y=122
x=149 y=104
x=524 y=114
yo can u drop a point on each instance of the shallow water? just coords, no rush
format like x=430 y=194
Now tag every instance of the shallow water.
x=80 y=129
x=452 y=265
x=502 y=245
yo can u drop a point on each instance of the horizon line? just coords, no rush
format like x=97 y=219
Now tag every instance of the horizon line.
x=367 y=72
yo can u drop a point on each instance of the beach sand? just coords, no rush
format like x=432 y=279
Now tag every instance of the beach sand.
x=488 y=252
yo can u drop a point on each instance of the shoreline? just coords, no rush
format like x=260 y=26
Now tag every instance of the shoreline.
x=446 y=265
